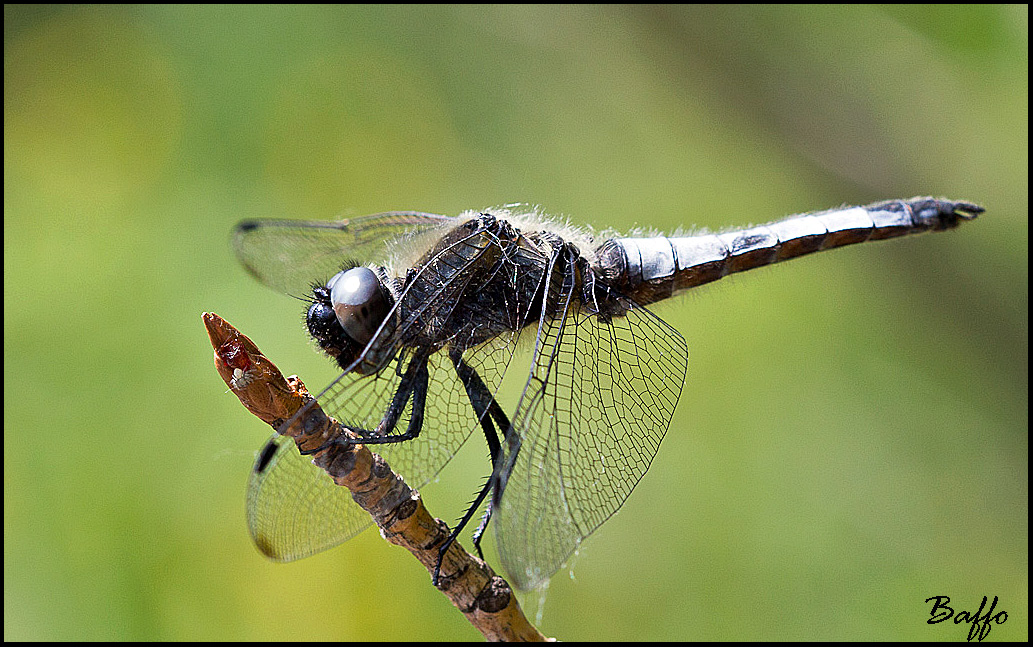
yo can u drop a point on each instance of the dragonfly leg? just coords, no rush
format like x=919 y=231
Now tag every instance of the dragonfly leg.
x=482 y=401
x=413 y=385
x=476 y=503
x=502 y=422
x=479 y=532
x=487 y=409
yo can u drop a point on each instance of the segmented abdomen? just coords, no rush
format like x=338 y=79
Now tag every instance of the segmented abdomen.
x=651 y=269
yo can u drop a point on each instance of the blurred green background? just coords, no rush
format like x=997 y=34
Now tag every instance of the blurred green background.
x=853 y=434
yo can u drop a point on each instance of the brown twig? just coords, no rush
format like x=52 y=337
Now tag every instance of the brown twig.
x=485 y=598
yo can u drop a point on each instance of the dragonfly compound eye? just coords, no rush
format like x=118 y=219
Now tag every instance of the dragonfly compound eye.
x=360 y=302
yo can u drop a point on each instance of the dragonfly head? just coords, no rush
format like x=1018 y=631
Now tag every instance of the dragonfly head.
x=347 y=312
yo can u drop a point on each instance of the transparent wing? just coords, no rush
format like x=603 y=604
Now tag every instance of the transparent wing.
x=289 y=255
x=293 y=508
x=597 y=404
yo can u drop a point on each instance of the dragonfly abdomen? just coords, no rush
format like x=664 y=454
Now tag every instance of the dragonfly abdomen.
x=651 y=269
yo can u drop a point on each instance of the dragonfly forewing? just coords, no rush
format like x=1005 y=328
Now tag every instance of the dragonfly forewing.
x=291 y=255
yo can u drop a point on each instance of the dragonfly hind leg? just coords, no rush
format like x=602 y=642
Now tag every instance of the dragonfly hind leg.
x=474 y=505
x=486 y=409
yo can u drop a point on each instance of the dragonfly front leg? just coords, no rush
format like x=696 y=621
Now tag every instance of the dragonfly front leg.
x=413 y=385
x=415 y=381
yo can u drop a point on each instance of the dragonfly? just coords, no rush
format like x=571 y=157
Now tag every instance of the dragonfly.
x=422 y=315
